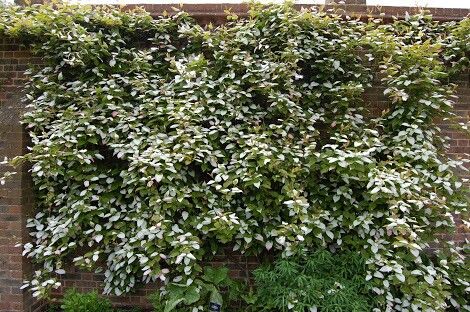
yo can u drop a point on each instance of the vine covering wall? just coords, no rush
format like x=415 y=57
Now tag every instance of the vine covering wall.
x=156 y=142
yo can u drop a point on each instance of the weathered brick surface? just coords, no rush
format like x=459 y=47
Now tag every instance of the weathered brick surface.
x=16 y=198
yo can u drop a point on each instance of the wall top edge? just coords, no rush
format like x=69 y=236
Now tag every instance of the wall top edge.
x=217 y=10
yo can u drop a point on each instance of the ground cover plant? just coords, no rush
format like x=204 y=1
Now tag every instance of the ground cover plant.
x=156 y=142
x=214 y=285
x=74 y=301
x=321 y=281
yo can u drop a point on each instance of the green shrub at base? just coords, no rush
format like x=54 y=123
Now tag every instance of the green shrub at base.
x=322 y=281
x=215 y=283
x=85 y=302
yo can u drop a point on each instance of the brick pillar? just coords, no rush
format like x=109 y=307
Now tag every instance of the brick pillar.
x=15 y=195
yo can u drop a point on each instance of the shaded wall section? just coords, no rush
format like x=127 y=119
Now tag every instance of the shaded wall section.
x=16 y=196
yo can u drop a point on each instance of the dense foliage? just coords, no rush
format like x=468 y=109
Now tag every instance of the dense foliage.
x=85 y=302
x=75 y=301
x=213 y=283
x=155 y=142
x=319 y=282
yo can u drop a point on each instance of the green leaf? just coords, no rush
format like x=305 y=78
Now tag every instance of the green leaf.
x=191 y=296
x=172 y=303
x=215 y=275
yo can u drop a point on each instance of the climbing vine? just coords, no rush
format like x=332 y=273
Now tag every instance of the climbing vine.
x=156 y=142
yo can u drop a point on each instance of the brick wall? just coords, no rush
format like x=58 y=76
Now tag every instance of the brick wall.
x=460 y=143
x=16 y=198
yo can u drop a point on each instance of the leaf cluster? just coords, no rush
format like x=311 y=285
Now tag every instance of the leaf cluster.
x=320 y=281
x=196 y=296
x=74 y=301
